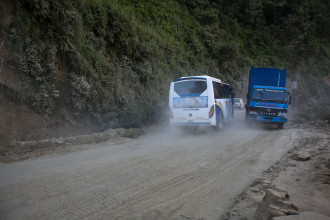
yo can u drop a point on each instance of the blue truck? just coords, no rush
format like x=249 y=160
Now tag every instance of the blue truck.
x=267 y=98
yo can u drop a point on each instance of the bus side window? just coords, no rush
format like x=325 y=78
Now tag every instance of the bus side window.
x=225 y=91
x=228 y=92
x=216 y=92
x=221 y=91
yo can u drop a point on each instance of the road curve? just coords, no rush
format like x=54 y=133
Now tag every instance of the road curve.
x=165 y=174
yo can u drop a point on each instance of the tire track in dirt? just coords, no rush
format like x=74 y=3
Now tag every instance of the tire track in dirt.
x=154 y=177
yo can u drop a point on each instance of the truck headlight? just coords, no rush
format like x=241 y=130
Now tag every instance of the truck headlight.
x=281 y=114
x=253 y=113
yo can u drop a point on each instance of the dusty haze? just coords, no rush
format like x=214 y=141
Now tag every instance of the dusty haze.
x=165 y=174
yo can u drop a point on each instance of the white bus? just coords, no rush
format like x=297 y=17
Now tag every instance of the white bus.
x=200 y=101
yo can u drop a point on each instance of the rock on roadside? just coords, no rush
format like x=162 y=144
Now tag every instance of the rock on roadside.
x=303 y=156
x=304 y=216
x=276 y=202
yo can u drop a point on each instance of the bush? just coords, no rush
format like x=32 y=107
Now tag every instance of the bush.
x=44 y=99
x=82 y=94
x=113 y=60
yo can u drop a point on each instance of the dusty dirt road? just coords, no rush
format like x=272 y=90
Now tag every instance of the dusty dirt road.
x=162 y=175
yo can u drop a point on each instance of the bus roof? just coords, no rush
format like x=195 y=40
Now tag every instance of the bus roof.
x=205 y=77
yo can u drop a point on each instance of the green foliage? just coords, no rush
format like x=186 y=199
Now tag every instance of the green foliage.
x=38 y=68
x=43 y=100
x=298 y=33
x=82 y=94
x=118 y=57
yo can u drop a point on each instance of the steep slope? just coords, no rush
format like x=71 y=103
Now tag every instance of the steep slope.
x=92 y=65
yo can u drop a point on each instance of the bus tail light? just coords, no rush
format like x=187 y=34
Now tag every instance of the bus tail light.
x=211 y=112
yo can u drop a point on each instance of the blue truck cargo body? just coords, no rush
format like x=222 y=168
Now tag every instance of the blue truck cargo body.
x=267 y=77
x=267 y=97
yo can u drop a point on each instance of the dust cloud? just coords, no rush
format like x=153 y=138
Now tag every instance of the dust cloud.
x=237 y=128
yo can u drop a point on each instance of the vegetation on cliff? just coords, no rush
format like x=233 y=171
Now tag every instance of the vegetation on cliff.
x=112 y=61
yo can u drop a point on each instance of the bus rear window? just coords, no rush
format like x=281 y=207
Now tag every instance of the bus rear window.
x=191 y=87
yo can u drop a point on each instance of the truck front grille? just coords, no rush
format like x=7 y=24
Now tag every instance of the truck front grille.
x=266 y=111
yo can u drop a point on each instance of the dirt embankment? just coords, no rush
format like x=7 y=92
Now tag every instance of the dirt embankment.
x=20 y=150
x=304 y=172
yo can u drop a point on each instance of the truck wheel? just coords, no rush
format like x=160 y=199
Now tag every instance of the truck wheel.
x=280 y=126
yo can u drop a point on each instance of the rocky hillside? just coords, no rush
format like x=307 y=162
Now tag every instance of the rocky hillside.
x=75 y=66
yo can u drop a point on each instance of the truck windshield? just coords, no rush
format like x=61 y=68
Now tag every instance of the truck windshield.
x=190 y=87
x=270 y=95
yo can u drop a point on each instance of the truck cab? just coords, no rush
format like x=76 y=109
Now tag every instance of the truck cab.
x=268 y=104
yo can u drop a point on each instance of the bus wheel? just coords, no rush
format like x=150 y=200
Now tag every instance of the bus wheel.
x=280 y=126
x=220 y=123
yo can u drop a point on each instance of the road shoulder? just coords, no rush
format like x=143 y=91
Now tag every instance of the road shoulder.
x=304 y=172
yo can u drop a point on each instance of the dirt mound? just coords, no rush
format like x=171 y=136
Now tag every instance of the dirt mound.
x=276 y=202
x=307 y=181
